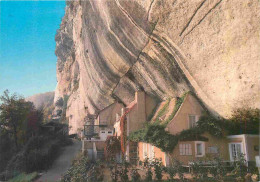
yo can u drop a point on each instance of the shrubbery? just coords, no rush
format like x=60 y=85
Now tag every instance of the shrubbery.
x=135 y=175
x=220 y=171
x=83 y=170
x=123 y=171
x=158 y=168
x=148 y=170
x=7 y=150
x=112 y=147
x=244 y=121
x=38 y=154
x=78 y=170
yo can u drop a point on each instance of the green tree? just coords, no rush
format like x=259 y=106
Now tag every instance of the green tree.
x=244 y=121
x=34 y=120
x=14 y=111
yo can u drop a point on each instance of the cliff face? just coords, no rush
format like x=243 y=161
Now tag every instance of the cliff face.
x=107 y=49
x=44 y=102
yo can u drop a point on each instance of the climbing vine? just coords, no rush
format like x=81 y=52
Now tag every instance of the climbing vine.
x=112 y=147
x=156 y=134
x=243 y=121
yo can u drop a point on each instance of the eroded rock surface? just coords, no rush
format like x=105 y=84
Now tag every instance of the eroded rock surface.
x=107 y=49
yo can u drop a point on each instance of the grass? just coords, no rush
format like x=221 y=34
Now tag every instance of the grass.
x=24 y=177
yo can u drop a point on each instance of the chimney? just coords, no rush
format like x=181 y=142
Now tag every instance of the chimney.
x=140 y=101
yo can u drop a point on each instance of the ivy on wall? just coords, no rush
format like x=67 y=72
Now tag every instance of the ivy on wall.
x=156 y=134
x=243 y=121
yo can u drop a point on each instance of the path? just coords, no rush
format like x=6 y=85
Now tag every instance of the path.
x=62 y=163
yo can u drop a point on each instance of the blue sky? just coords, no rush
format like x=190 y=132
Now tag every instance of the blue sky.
x=27 y=45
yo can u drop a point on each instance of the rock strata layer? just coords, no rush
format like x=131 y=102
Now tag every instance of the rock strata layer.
x=107 y=49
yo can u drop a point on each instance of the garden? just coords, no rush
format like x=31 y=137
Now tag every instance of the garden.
x=116 y=169
x=84 y=170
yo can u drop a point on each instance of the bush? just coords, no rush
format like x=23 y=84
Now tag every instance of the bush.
x=112 y=147
x=148 y=166
x=123 y=172
x=135 y=175
x=38 y=154
x=64 y=140
x=7 y=149
x=94 y=174
x=240 y=168
x=78 y=171
x=244 y=121
x=158 y=168
x=218 y=170
x=42 y=158
x=15 y=165
x=114 y=171
x=199 y=171
x=179 y=169
x=171 y=170
x=59 y=102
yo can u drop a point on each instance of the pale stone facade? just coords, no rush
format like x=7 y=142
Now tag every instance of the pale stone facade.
x=136 y=116
x=187 y=151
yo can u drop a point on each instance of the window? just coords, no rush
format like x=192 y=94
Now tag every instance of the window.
x=144 y=150
x=151 y=151
x=213 y=150
x=109 y=132
x=192 y=121
x=235 y=149
x=103 y=132
x=185 y=149
x=199 y=149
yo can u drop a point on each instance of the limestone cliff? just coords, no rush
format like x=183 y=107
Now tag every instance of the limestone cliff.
x=41 y=100
x=108 y=48
x=44 y=102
